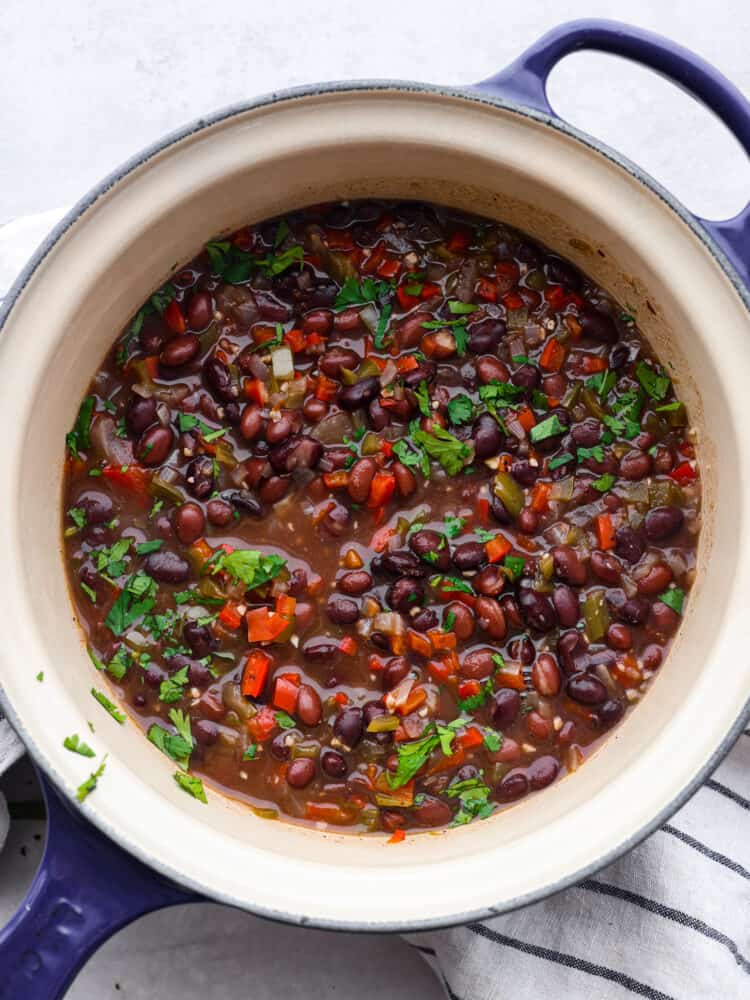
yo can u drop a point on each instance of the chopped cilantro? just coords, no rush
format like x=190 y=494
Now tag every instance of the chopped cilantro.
x=76 y=745
x=450 y=621
x=484 y=536
x=285 y=720
x=177 y=746
x=492 y=740
x=422 y=393
x=382 y=327
x=558 y=460
x=253 y=568
x=190 y=784
x=89 y=592
x=99 y=664
x=445 y=448
x=251 y=752
x=657 y=386
x=475 y=701
x=173 y=688
x=674 y=598
x=355 y=293
x=602 y=383
x=281 y=233
x=413 y=754
x=597 y=453
x=461 y=336
x=78 y=516
x=546 y=429
x=111 y=560
x=151 y=546
x=118 y=665
x=88 y=786
x=412 y=457
x=79 y=438
x=135 y=599
x=539 y=400
x=156 y=506
x=474 y=798
x=40 y=676
x=108 y=706
x=523 y=359
x=604 y=483
x=460 y=409
x=454 y=525
x=500 y=393
x=515 y=566
x=461 y=308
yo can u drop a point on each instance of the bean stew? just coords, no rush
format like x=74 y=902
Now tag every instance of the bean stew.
x=378 y=516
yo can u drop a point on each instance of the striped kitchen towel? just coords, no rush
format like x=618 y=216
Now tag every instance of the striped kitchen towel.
x=668 y=921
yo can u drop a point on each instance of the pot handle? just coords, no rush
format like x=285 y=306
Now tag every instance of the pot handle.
x=524 y=82
x=86 y=888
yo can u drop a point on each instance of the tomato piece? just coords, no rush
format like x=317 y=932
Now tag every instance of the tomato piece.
x=605 y=531
x=348 y=646
x=397 y=837
x=684 y=473
x=483 y=510
x=286 y=693
x=256 y=391
x=131 y=478
x=497 y=548
x=405 y=300
x=264 y=625
x=230 y=615
x=471 y=737
x=555 y=296
x=407 y=363
x=459 y=240
x=382 y=489
x=389 y=268
x=295 y=340
x=440 y=671
x=255 y=673
x=262 y=725
x=286 y=605
x=512 y=301
x=526 y=418
x=592 y=363
x=326 y=388
x=373 y=262
x=429 y=290
x=418 y=643
x=486 y=289
x=173 y=317
x=337 y=480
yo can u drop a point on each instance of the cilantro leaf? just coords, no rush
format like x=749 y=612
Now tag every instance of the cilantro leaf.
x=153 y=545
x=412 y=457
x=604 y=483
x=674 y=598
x=546 y=429
x=135 y=600
x=253 y=568
x=88 y=786
x=173 y=688
x=355 y=293
x=76 y=745
x=78 y=516
x=597 y=453
x=422 y=392
x=558 y=460
x=251 y=752
x=461 y=336
x=441 y=445
x=79 y=438
x=108 y=706
x=602 y=382
x=474 y=798
x=461 y=308
x=382 y=327
x=492 y=740
x=460 y=409
x=284 y=720
x=657 y=386
x=454 y=525
x=190 y=784
x=515 y=566
x=475 y=701
x=500 y=393
x=450 y=583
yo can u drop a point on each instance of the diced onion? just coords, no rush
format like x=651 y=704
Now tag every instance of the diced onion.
x=370 y=317
x=283 y=363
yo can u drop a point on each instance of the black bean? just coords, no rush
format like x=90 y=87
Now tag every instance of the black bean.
x=663 y=522
x=337 y=358
x=566 y=605
x=635 y=610
x=524 y=472
x=297 y=452
x=140 y=412
x=218 y=380
x=537 y=610
x=425 y=621
x=405 y=594
x=205 y=732
x=347 y=727
x=561 y=272
x=606 y=568
x=377 y=415
x=506 y=705
x=486 y=335
x=320 y=650
x=342 y=610
x=571 y=651
x=180 y=350
x=586 y=689
x=244 y=502
x=499 y=512
x=628 y=544
x=155 y=445
x=610 y=712
x=97 y=506
x=598 y=325
x=587 y=433
x=199 y=477
x=300 y=772
x=333 y=763
x=526 y=376
x=280 y=748
x=513 y=786
x=167 y=567
x=432 y=547
x=199 y=638
x=355 y=582
x=489 y=581
x=400 y=563
x=424 y=372
x=354 y=397
x=487 y=436
x=568 y=566
x=199 y=675
x=189 y=522
x=543 y=771
x=469 y=556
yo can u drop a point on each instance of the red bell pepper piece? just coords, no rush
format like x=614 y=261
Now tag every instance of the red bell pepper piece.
x=553 y=356
x=459 y=240
x=230 y=615
x=405 y=300
x=295 y=340
x=256 y=391
x=605 y=531
x=389 y=268
x=348 y=646
x=555 y=296
x=486 y=290
x=684 y=473
x=255 y=673
x=262 y=725
x=131 y=478
x=497 y=548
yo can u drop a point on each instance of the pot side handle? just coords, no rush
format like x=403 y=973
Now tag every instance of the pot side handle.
x=86 y=888
x=524 y=82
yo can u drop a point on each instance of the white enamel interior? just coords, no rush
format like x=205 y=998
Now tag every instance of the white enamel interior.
x=254 y=165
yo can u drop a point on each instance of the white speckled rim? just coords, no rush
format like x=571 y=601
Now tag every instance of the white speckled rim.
x=283 y=151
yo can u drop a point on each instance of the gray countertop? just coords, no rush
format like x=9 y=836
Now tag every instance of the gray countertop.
x=86 y=83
